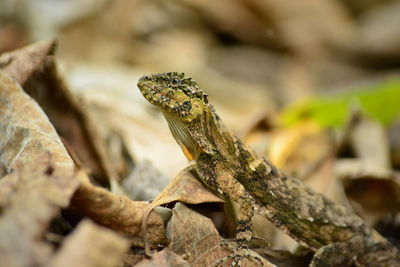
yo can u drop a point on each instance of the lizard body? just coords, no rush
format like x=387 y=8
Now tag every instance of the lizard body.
x=232 y=170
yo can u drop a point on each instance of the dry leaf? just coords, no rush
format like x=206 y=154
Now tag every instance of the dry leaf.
x=22 y=63
x=36 y=198
x=185 y=188
x=36 y=68
x=164 y=258
x=90 y=246
x=195 y=238
x=26 y=132
x=374 y=198
x=117 y=212
x=71 y=120
x=42 y=179
x=237 y=19
x=307 y=26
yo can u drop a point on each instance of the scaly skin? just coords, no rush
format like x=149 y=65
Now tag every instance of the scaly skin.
x=233 y=171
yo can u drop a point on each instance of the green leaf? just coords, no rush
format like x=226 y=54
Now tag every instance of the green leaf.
x=380 y=101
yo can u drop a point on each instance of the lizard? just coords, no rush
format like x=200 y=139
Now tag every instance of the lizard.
x=233 y=171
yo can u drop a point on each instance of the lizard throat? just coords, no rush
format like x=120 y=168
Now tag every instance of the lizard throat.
x=183 y=138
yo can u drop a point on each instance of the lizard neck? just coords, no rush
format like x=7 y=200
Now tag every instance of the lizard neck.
x=181 y=132
x=204 y=134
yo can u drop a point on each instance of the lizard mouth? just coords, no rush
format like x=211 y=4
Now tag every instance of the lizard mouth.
x=149 y=91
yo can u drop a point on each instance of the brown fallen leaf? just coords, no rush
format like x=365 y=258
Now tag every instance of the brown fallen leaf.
x=184 y=188
x=25 y=130
x=236 y=19
x=373 y=198
x=41 y=177
x=36 y=196
x=194 y=237
x=35 y=67
x=164 y=258
x=371 y=184
x=90 y=246
x=71 y=120
x=22 y=63
x=117 y=212
x=306 y=27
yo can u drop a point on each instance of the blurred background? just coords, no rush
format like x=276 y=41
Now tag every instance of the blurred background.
x=252 y=56
x=313 y=85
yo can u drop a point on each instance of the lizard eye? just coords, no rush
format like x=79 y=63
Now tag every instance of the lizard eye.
x=174 y=81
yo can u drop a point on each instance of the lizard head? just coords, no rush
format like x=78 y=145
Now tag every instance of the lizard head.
x=174 y=94
x=184 y=106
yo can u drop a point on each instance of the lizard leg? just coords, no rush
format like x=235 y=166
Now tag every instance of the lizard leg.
x=244 y=221
x=240 y=245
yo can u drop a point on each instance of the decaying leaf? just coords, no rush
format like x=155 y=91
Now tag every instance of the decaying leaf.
x=185 y=188
x=35 y=68
x=374 y=198
x=26 y=132
x=41 y=179
x=72 y=121
x=195 y=238
x=22 y=63
x=37 y=196
x=117 y=212
x=90 y=246
x=371 y=185
x=164 y=258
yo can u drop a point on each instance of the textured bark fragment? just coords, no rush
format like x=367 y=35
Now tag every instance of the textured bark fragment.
x=90 y=246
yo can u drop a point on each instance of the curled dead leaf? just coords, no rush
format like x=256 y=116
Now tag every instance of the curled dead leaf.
x=194 y=237
x=184 y=188
x=22 y=63
x=117 y=212
x=35 y=197
x=26 y=131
